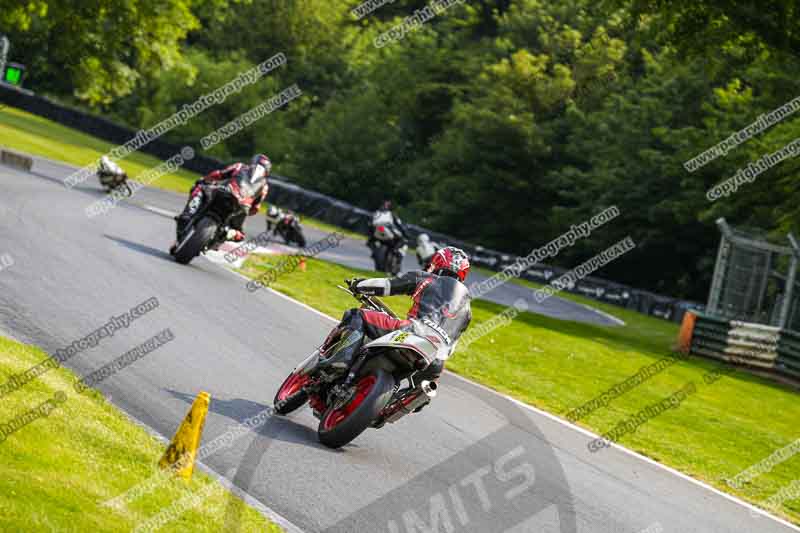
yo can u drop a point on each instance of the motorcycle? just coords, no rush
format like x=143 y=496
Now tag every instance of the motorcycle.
x=213 y=212
x=287 y=225
x=112 y=177
x=390 y=245
x=347 y=401
x=390 y=250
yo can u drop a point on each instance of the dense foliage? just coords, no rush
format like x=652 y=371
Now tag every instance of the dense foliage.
x=499 y=121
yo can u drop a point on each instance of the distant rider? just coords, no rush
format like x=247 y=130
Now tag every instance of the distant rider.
x=426 y=248
x=274 y=216
x=235 y=232
x=384 y=216
x=441 y=309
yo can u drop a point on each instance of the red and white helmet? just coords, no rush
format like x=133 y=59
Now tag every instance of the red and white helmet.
x=262 y=161
x=450 y=260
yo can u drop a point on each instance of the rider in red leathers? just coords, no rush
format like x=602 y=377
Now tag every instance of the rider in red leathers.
x=235 y=233
x=440 y=307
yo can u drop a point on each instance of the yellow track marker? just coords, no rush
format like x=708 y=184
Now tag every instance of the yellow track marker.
x=182 y=450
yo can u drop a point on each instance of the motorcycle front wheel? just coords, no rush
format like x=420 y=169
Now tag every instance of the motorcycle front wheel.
x=392 y=263
x=290 y=395
x=372 y=392
x=299 y=238
x=191 y=246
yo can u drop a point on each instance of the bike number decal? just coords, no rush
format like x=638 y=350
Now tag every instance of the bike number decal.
x=400 y=337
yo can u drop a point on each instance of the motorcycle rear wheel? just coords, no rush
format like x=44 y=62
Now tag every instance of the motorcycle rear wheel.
x=190 y=248
x=340 y=426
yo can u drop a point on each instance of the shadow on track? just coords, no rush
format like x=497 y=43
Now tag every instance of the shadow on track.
x=141 y=248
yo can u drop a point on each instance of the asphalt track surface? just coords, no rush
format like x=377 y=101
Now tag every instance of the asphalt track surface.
x=472 y=461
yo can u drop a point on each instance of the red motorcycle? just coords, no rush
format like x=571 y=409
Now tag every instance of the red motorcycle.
x=218 y=204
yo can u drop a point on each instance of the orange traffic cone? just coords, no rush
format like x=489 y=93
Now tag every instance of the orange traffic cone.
x=302 y=264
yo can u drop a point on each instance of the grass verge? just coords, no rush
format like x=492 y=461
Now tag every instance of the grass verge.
x=58 y=470
x=558 y=365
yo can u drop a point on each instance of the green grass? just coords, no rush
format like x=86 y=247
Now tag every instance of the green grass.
x=558 y=365
x=38 y=136
x=57 y=470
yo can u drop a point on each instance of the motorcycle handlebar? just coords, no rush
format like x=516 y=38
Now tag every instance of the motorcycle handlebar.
x=371 y=302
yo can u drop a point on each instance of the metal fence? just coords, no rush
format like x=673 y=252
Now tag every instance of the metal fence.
x=755 y=280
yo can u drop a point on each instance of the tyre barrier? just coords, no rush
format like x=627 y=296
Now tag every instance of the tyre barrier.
x=754 y=346
x=15 y=160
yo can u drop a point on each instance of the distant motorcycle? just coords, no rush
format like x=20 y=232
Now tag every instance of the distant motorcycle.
x=221 y=202
x=112 y=177
x=287 y=225
x=390 y=245
x=347 y=401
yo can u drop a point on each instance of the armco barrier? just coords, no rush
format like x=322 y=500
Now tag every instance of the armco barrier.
x=344 y=215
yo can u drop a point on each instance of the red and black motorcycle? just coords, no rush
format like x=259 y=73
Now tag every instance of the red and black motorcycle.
x=216 y=205
x=347 y=401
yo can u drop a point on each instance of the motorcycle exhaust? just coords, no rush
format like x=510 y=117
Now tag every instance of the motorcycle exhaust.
x=422 y=395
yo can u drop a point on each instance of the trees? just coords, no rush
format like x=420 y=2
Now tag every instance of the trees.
x=501 y=122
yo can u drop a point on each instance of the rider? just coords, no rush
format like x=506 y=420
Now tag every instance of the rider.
x=235 y=233
x=274 y=215
x=441 y=310
x=426 y=248
x=384 y=215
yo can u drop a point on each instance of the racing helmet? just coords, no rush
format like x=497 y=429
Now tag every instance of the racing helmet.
x=450 y=261
x=262 y=161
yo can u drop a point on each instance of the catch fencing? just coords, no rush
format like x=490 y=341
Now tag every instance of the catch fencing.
x=347 y=216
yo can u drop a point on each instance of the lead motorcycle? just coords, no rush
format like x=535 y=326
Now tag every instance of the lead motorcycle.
x=220 y=203
x=347 y=401
x=112 y=177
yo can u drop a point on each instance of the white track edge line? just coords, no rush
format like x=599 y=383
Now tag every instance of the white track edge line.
x=580 y=429
x=609 y=316
x=159 y=211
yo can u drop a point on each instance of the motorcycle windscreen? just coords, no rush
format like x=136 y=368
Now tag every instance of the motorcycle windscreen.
x=251 y=181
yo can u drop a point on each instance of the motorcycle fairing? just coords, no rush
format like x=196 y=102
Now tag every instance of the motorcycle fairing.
x=406 y=340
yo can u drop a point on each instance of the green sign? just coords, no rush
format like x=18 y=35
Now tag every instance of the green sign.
x=13 y=75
